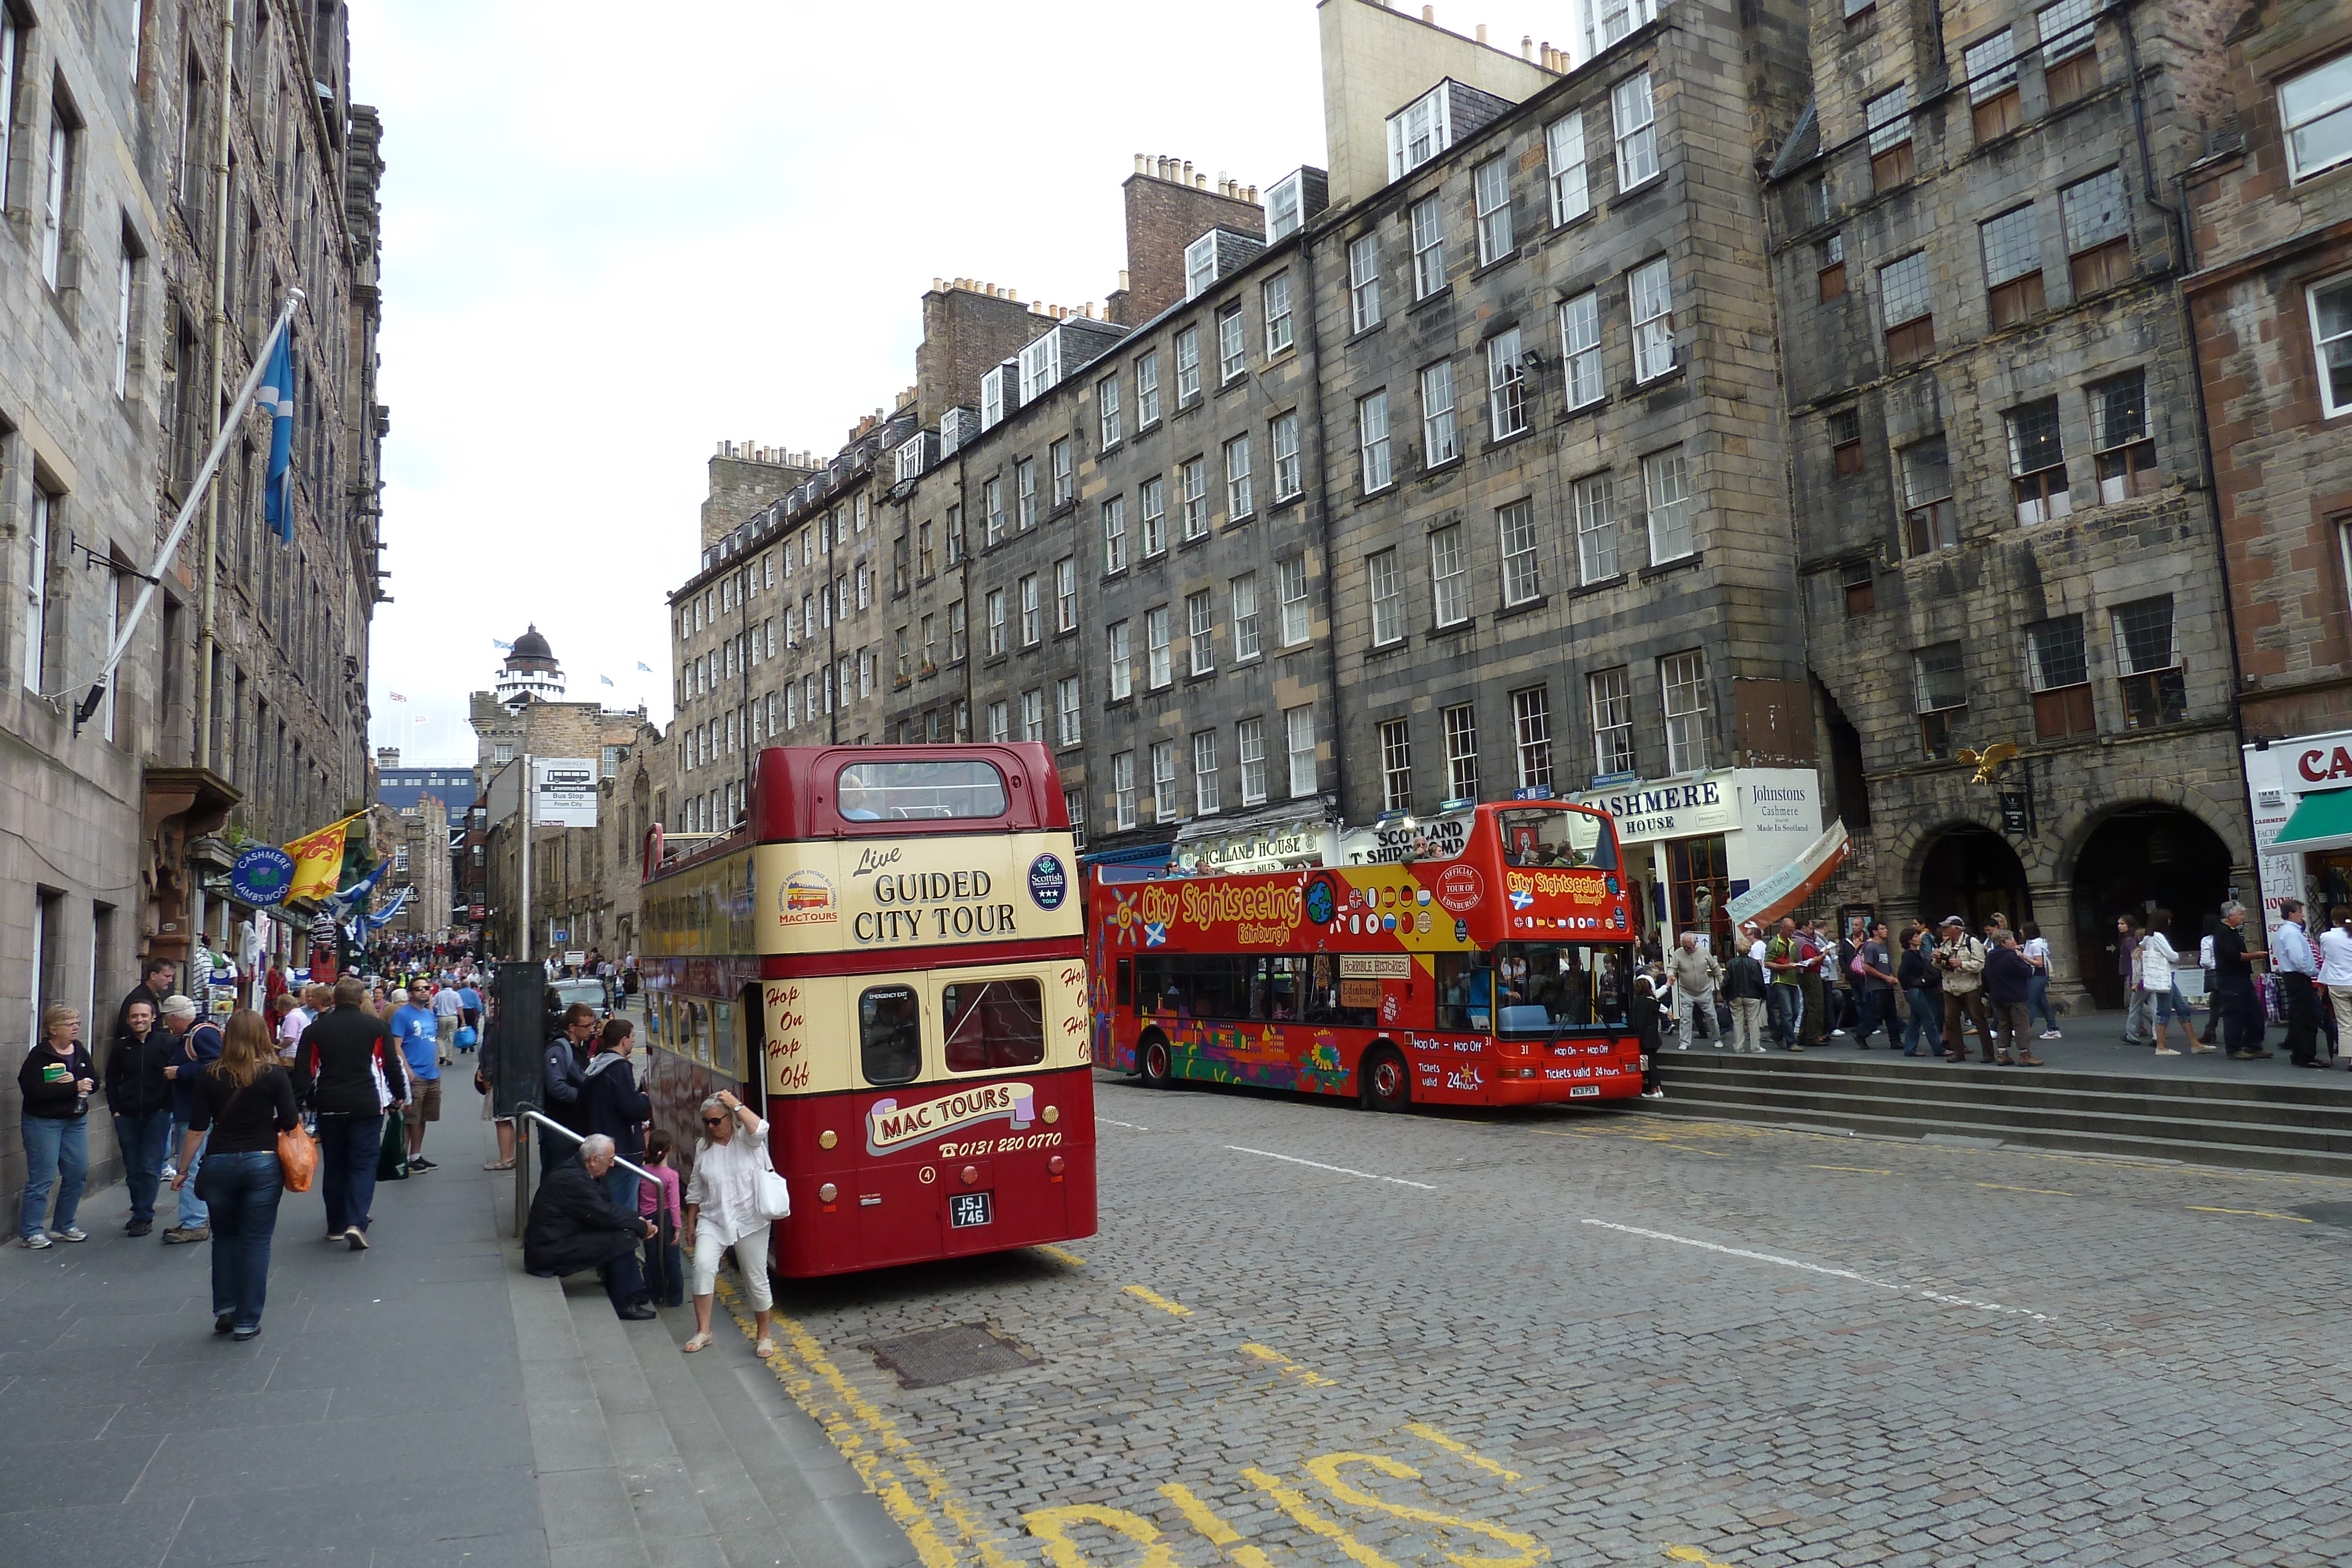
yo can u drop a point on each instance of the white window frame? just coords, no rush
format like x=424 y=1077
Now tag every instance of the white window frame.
x=1634 y=119
x=1490 y=186
x=1159 y=663
x=1070 y=700
x=1147 y=389
x=1114 y=527
x=1580 y=348
x=55 y=191
x=1065 y=594
x=1122 y=792
x=1188 y=366
x=1233 y=345
x=1041 y=367
x=2331 y=99
x=1449 y=577
x=1666 y=494
x=1364 y=281
x=1033 y=618
x=1531 y=736
x=1384 y=584
x=1119 y=654
x=1650 y=300
x=2330 y=407
x=1205 y=794
x=1199 y=631
x=1570 y=183
x=1689 y=716
x=1107 y=411
x=1372 y=440
x=1282 y=436
x=997 y=622
x=1249 y=745
x=1396 y=765
x=1164 y=806
x=1420 y=131
x=1299 y=748
x=37 y=526
x=1515 y=528
x=1240 y=602
x=1428 y=223
x=1507 y=386
x=1033 y=714
x=1200 y=265
x=1194 y=472
x=1025 y=494
x=1296 y=621
x=1285 y=206
x=1151 y=515
x=1609 y=694
x=1459 y=723
x=1240 y=486
x=1274 y=299
x=1440 y=437
x=1000 y=721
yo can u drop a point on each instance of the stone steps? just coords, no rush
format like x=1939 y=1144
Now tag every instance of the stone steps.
x=2270 y=1127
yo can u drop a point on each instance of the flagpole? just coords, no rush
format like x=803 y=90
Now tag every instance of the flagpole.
x=180 y=525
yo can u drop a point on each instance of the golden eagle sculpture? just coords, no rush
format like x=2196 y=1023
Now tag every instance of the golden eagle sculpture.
x=1989 y=761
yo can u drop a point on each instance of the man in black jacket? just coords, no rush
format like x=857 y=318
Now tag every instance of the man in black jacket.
x=140 y=1095
x=611 y=1103
x=347 y=1070
x=562 y=1069
x=154 y=985
x=575 y=1228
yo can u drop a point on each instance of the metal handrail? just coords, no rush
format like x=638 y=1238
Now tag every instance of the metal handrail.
x=524 y=1113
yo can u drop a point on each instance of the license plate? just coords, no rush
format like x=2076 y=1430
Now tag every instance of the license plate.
x=1582 y=1091
x=972 y=1209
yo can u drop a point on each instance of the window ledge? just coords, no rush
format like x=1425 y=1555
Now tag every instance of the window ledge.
x=1199 y=677
x=1394 y=645
x=1284 y=503
x=1354 y=337
x=1114 y=575
x=1146 y=428
x=1643 y=187
x=1455 y=630
x=1428 y=469
x=1443 y=293
x=1275 y=356
x=1599 y=585
x=1232 y=381
x=1524 y=607
x=1107 y=447
x=1374 y=494
x=1645 y=388
x=1193 y=543
x=1580 y=410
x=1500 y=262
x=1511 y=440
x=1663 y=567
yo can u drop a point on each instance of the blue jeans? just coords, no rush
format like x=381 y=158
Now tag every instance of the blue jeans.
x=144 y=1138
x=2037 y=1000
x=246 y=1190
x=1865 y=1013
x=1927 y=1019
x=1788 y=1005
x=194 y=1211
x=57 y=1155
x=349 y=1147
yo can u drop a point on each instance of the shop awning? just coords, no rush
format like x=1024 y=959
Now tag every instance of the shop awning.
x=2321 y=821
x=1771 y=896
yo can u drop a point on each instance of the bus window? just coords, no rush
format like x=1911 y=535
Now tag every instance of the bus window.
x=722 y=1038
x=1570 y=985
x=906 y=792
x=990 y=1024
x=890 y=1041
x=1465 y=990
x=698 y=1032
x=1125 y=983
x=1552 y=837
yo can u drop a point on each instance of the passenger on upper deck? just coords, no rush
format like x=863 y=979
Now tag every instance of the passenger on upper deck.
x=850 y=797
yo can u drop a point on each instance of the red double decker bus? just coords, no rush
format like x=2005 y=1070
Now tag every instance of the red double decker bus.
x=1482 y=959
x=889 y=955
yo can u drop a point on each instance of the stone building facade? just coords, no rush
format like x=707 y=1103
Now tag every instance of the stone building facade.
x=2270 y=290
x=416 y=838
x=168 y=172
x=2004 y=530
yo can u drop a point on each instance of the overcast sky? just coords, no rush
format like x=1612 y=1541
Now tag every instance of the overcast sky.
x=614 y=237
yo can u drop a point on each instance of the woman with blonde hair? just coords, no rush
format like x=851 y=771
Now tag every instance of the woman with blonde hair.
x=722 y=1213
x=244 y=1101
x=55 y=1080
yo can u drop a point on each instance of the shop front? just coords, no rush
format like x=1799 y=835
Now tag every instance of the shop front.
x=1694 y=845
x=2301 y=791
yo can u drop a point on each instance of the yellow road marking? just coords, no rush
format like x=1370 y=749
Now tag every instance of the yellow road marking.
x=1296 y=1506
x=2046 y=1191
x=1313 y=1379
x=1858 y=1170
x=941 y=1494
x=1059 y=1255
x=1218 y=1532
x=1693 y=1554
x=1153 y=1299
x=1459 y=1449
x=2250 y=1212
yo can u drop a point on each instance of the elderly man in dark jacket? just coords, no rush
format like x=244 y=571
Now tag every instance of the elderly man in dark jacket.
x=575 y=1228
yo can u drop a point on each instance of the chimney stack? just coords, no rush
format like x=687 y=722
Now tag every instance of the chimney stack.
x=1528 y=47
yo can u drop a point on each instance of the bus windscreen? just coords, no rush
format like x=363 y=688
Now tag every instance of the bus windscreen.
x=965 y=789
x=1547 y=836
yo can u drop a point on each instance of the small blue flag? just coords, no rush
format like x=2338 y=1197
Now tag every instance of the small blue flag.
x=496 y=643
x=277 y=397
x=646 y=667
x=606 y=679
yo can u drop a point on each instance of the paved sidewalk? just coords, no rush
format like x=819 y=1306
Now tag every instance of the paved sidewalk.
x=424 y=1404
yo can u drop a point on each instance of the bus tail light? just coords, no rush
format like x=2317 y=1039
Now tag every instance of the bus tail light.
x=827 y=1193
x=1054 y=1165
x=970 y=1174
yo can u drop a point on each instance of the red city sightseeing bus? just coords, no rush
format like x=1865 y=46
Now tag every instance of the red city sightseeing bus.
x=1482 y=959
x=891 y=956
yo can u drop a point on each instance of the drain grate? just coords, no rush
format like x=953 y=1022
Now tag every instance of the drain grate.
x=934 y=1356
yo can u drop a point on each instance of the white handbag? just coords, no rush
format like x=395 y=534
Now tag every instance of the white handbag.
x=774 y=1198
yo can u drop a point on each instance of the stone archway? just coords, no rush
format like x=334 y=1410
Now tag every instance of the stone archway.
x=1969 y=870
x=2135 y=857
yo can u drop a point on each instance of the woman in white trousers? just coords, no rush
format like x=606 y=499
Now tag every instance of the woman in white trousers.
x=722 y=1211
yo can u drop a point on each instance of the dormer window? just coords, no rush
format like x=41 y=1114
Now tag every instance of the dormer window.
x=1419 y=133
x=1041 y=366
x=1200 y=265
x=1284 y=209
x=991 y=397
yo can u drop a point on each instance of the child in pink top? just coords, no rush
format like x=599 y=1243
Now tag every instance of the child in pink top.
x=659 y=1202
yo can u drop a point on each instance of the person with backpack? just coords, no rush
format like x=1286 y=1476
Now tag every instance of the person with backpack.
x=199 y=1047
x=349 y=1073
x=1960 y=960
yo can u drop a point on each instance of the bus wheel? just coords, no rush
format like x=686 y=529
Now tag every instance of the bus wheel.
x=1386 y=1085
x=1158 y=1063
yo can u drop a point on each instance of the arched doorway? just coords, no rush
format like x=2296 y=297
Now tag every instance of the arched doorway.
x=2142 y=858
x=1971 y=872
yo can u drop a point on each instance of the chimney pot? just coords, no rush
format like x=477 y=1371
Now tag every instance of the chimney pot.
x=1188 y=170
x=1429 y=14
x=1527 y=47
x=1253 y=195
x=1122 y=281
x=1482 y=32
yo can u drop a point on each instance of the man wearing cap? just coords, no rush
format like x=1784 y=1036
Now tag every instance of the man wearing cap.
x=1961 y=961
x=199 y=1047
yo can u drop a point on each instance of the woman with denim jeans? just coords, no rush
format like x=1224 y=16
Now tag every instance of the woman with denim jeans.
x=1917 y=981
x=244 y=1100
x=55 y=1080
x=2036 y=949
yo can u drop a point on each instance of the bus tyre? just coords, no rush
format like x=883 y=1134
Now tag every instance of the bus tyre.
x=1156 y=1062
x=1386 y=1085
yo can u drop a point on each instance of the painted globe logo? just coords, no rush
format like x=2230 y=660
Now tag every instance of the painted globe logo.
x=1321 y=902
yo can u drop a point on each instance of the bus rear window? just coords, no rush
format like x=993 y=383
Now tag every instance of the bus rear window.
x=992 y=1024
x=890 y=1035
x=1540 y=836
x=963 y=787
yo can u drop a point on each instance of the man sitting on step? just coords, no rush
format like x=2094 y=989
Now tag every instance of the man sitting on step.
x=573 y=1227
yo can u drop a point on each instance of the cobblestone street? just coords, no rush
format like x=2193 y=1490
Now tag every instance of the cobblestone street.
x=1322 y=1335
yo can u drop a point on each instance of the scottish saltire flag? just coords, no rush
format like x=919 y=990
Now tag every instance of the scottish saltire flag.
x=646 y=667
x=606 y=679
x=277 y=399
x=361 y=888
x=496 y=643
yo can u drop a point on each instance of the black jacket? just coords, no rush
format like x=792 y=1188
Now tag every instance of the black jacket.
x=611 y=1103
x=573 y=1227
x=1744 y=978
x=139 y=993
x=562 y=1069
x=53 y=1096
x=336 y=1064
x=135 y=1083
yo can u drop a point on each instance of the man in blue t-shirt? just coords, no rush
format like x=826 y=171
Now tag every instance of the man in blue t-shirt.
x=413 y=1026
x=469 y=1010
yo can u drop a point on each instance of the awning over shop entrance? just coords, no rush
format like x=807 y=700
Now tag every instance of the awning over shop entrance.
x=2321 y=821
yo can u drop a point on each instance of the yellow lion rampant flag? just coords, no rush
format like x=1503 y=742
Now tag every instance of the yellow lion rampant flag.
x=318 y=861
